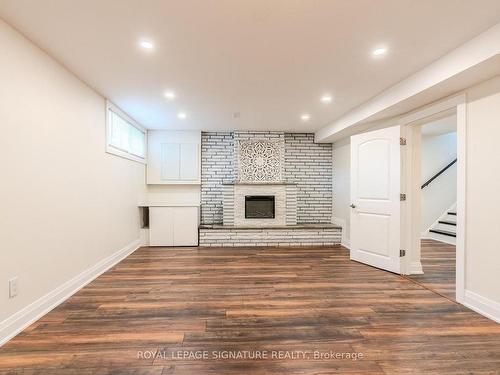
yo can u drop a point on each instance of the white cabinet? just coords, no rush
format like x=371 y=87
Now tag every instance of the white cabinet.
x=174 y=157
x=170 y=162
x=189 y=162
x=161 y=226
x=185 y=226
x=173 y=226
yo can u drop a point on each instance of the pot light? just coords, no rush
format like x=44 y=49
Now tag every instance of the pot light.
x=146 y=44
x=170 y=95
x=305 y=117
x=326 y=98
x=379 y=51
x=181 y=115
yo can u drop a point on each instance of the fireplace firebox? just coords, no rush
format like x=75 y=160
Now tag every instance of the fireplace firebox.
x=259 y=207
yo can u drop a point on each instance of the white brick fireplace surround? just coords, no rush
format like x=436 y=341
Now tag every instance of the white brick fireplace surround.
x=291 y=235
x=285 y=196
x=288 y=166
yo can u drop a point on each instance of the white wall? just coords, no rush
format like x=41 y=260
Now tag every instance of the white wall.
x=441 y=194
x=341 y=178
x=65 y=203
x=482 y=258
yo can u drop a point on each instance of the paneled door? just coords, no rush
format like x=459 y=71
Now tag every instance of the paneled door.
x=375 y=198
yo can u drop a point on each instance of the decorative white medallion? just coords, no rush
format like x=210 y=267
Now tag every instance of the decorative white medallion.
x=260 y=160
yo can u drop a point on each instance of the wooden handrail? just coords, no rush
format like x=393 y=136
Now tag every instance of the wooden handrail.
x=438 y=174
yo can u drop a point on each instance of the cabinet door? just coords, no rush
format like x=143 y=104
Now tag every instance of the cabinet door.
x=170 y=161
x=185 y=226
x=161 y=226
x=189 y=162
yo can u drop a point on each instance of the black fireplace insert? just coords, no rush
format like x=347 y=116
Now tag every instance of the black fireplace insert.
x=259 y=207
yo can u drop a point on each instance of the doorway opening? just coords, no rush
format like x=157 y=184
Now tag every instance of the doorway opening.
x=436 y=154
x=386 y=221
x=411 y=183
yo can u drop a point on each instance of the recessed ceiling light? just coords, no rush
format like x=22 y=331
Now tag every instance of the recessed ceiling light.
x=182 y=115
x=326 y=98
x=147 y=44
x=170 y=95
x=379 y=51
x=305 y=117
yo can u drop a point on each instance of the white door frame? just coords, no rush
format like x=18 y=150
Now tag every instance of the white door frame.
x=410 y=214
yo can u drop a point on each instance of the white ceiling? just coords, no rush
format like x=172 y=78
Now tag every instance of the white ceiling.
x=441 y=126
x=268 y=60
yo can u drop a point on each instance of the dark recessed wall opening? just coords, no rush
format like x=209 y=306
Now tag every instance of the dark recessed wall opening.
x=259 y=207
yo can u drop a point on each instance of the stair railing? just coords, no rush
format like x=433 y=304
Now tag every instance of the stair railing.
x=438 y=174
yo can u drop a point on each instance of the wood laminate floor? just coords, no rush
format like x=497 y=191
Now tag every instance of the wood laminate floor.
x=438 y=263
x=169 y=300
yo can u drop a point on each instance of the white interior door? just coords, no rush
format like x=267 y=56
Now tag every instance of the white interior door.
x=375 y=198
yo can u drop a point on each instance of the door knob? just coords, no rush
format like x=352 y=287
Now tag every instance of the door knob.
x=353 y=205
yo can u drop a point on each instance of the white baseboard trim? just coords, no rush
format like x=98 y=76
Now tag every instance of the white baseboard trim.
x=416 y=268
x=20 y=320
x=346 y=243
x=482 y=305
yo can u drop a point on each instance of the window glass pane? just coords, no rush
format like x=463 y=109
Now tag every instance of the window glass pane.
x=137 y=141
x=125 y=136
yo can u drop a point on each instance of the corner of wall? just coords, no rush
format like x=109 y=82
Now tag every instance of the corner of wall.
x=342 y=223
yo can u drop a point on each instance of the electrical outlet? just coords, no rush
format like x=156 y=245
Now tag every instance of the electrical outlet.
x=13 y=287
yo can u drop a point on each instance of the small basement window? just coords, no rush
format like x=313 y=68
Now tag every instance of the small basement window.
x=124 y=136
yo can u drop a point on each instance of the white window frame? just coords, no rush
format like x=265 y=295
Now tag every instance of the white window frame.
x=110 y=149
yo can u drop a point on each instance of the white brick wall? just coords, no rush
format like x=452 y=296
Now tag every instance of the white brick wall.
x=216 y=167
x=307 y=164
x=291 y=204
x=270 y=237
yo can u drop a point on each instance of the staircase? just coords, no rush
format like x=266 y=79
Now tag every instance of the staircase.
x=445 y=229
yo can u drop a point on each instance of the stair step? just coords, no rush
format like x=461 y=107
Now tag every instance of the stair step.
x=443 y=232
x=452 y=213
x=447 y=222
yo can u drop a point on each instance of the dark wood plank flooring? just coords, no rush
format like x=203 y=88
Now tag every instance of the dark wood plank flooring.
x=438 y=263
x=165 y=300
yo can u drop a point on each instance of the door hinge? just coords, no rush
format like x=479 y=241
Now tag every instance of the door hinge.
x=402 y=141
x=402 y=253
x=402 y=197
